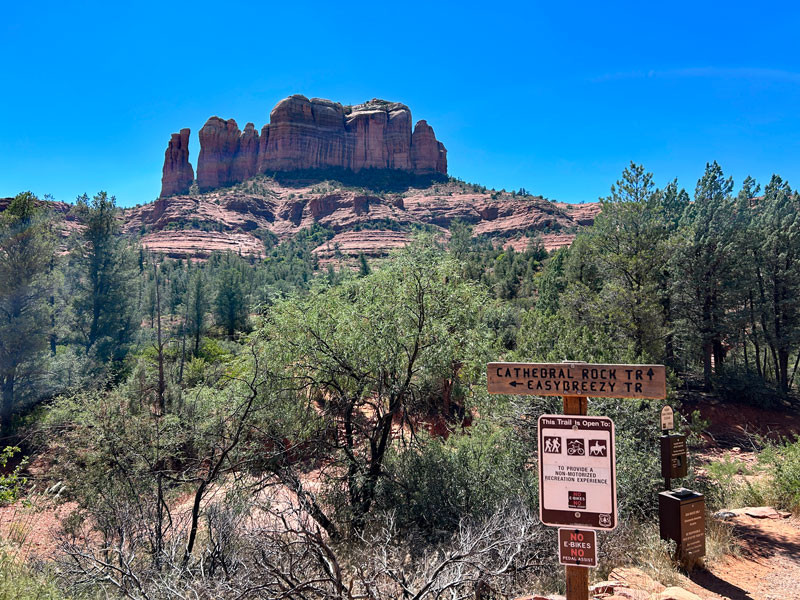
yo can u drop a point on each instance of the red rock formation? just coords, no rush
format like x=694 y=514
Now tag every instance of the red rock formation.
x=219 y=142
x=245 y=159
x=318 y=134
x=177 y=174
x=427 y=154
x=305 y=134
x=379 y=136
x=372 y=243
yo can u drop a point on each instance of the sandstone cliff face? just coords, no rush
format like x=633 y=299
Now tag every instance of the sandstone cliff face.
x=314 y=134
x=427 y=154
x=245 y=159
x=219 y=141
x=177 y=175
x=319 y=134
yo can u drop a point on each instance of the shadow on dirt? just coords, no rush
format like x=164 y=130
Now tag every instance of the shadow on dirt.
x=712 y=583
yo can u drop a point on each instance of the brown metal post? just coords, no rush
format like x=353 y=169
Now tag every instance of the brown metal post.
x=577 y=577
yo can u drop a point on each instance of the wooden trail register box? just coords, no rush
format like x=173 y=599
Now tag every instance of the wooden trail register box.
x=682 y=517
x=674 y=457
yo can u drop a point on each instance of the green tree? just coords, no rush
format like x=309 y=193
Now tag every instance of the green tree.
x=197 y=307
x=363 y=265
x=26 y=250
x=366 y=356
x=230 y=305
x=670 y=203
x=775 y=239
x=460 y=243
x=629 y=238
x=552 y=282
x=704 y=262
x=104 y=308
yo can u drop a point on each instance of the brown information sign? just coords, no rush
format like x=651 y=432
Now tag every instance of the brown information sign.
x=577 y=547
x=693 y=530
x=674 y=456
x=577 y=379
x=682 y=517
x=577 y=471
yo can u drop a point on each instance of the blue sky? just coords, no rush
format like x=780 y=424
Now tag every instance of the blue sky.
x=555 y=97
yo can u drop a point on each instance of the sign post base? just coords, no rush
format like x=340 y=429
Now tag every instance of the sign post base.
x=577 y=583
x=577 y=577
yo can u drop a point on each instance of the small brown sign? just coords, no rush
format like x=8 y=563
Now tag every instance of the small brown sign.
x=577 y=547
x=577 y=379
x=693 y=530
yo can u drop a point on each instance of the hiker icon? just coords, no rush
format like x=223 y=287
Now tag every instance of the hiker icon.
x=552 y=445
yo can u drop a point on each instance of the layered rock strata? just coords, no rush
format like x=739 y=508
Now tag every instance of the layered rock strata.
x=369 y=222
x=312 y=134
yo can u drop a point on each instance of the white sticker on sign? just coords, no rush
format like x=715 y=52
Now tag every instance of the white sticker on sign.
x=667 y=418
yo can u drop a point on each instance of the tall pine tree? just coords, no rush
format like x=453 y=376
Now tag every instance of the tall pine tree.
x=104 y=308
x=26 y=252
x=704 y=261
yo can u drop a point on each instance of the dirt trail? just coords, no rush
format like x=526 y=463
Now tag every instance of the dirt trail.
x=767 y=566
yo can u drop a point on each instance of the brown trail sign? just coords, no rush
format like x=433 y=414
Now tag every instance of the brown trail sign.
x=577 y=379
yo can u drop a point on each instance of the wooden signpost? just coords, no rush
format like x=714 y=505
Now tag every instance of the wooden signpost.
x=577 y=379
x=674 y=458
x=574 y=381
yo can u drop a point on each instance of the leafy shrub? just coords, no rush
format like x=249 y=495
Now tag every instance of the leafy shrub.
x=785 y=461
x=746 y=387
x=468 y=475
x=19 y=582
x=727 y=490
x=10 y=484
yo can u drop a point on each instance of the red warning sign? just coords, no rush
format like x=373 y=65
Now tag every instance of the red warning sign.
x=577 y=547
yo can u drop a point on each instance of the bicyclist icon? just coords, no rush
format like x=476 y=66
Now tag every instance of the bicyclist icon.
x=576 y=447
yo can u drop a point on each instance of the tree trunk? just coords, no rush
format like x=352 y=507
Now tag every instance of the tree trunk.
x=796 y=362
x=161 y=383
x=707 y=352
x=783 y=370
x=7 y=408
x=756 y=346
x=183 y=342
x=198 y=498
x=719 y=356
x=744 y=350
